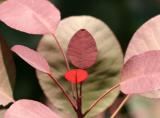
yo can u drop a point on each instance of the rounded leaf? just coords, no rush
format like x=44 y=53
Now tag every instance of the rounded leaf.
x=30 y=16
x=76 y=75
x=146 y=38
x=32 y=57
x=102 y=75
x=141 y=73
x=29 y=109
x=82 y=49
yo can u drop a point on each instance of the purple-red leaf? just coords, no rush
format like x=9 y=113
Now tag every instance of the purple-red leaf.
x=30 y=16
x=32 y=57
x=29 y=109
x=82 y=50
x=76 y=75
x=141 y=73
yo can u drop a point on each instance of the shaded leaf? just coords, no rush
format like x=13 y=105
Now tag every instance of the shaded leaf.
x=32 y=57
x=76 y=75
x=142 y=107
x=29 y=109
x=7 y=74
x=145 y=39
x=103 y=75
x=2 y=112
x=82 y=49
x=30 y=16
x=141 y=73
x=2 y=1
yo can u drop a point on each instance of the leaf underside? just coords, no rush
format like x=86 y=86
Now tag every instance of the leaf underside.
x=29 y=109
x=141 y=73
x=146 y=38
x=30 y=16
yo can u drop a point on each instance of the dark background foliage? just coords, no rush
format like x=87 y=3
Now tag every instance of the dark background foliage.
x=122 y=16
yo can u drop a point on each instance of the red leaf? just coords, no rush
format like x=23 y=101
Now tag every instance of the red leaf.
x=29 y=109
x=32 y=57
x=141 y=73
x=82 y=50
x=30 y=16
x=76 y=75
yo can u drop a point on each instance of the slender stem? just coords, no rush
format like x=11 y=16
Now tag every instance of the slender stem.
x=62 y=52
x=80 y=97
x=77 y=96
x=65 y=59
x=79 y=107
x=100 y=98
x=120 y=106
x=63 y=91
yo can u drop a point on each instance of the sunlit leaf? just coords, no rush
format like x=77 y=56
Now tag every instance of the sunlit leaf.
x=146 y=39
x=82 y=50
x=141 y=73
x=76 y=75
x=102 y=75
x=7 y=74
x=29 y=109
x=32 y=57
x=30 y=16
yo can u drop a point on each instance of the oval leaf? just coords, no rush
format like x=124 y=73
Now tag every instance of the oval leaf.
x=29 y=109
x=76 y=75
x=141 y=73
x=145 y=39
x=102 y=75
x=30 y=16
x=7 y=74
x=32 y=57
x=82 y=50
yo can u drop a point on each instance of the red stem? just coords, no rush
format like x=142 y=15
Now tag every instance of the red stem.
x=80 y=96
x=78 y=99
x=65 y=59
x=63 y=91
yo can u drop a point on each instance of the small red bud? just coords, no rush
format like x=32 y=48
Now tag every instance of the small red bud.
x=76 y=75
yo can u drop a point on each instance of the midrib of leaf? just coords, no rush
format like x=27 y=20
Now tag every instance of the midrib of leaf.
x=38 y=17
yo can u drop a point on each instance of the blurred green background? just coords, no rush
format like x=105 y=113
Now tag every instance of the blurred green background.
x=122 y=16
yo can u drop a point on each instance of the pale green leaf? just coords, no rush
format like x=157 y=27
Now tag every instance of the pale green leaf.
x=103 y=75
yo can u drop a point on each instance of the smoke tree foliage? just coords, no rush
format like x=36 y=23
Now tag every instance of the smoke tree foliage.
x=79 y=62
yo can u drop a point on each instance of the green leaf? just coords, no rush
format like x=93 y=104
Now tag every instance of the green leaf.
x=142 y=107
x=102 y=76
x=2 y=112
x=2 y=1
